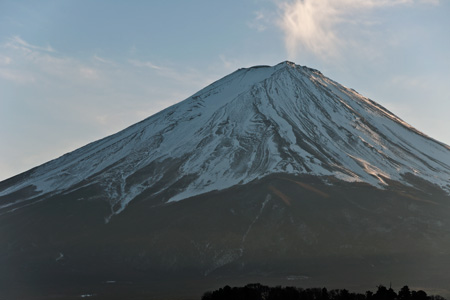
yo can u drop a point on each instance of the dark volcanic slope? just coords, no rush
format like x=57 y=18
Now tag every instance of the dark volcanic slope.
x=271 y=174
x=283 y=229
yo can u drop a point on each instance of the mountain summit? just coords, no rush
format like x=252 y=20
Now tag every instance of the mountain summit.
x=277 y=172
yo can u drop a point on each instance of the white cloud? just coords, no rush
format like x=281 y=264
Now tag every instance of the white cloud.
x=319 y=26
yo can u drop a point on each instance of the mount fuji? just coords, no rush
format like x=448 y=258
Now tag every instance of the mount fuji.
x=276 y=174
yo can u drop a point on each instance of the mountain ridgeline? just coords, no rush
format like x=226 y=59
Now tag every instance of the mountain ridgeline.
x=271 y=174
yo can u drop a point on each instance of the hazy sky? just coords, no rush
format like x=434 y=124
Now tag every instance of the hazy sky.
x=72 y=72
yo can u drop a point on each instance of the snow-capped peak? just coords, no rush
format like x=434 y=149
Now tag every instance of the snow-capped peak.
x=254 y=122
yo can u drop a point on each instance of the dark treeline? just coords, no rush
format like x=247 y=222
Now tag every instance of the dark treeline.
x=257 y=291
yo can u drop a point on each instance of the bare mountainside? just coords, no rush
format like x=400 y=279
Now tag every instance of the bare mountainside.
x=276 y=174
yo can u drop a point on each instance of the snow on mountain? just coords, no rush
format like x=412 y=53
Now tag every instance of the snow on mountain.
x=251 y=123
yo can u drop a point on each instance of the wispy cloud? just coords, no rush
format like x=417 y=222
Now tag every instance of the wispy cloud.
x=190 y=76
x=259 y=22
x=318 y=26
x=23 y=63
x=145 y=64
x=433 y=2
x=89 y=73
x=103 y=60
x=27 y=63
x=5 y=60
x=228 y=63
x=16 y=42
x=17 y=76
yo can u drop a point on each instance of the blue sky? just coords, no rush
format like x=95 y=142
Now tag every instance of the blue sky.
x=72 y=72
